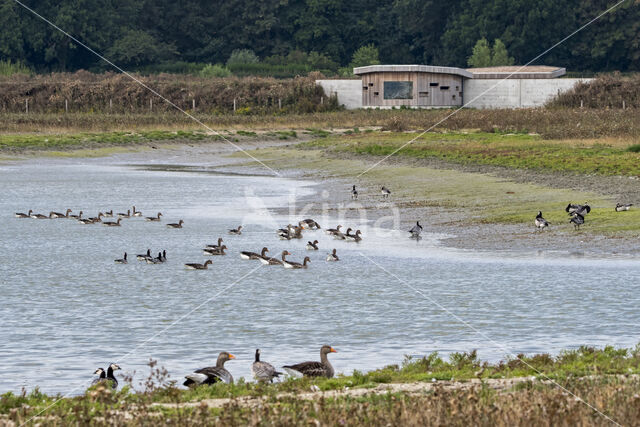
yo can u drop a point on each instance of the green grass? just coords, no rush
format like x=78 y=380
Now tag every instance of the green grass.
x=522 y=151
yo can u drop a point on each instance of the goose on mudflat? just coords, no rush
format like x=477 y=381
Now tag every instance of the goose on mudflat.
x=540 y=222
x=111 y=223
x=195 y=266
x=122 y=260
x=211 y=251
x=577 y=220
x=176 y=225
x=253 y=255
x=385 y=192
x=59 y=215
x=314 y=369
x=312 y=246
x=144 y=257
x=416 y=230
x=154 y=218
x=216 y=246
x=291 y=264
x=23 y=215
x=332 y=256
x=102 y=376
x=211 y=374
x=110 y=377
x=263 y=371
x=354 y=193
x=236 y=231
x=621 y=208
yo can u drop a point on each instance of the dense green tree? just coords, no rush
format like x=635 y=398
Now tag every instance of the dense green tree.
x=481 y=56
x=499 y=54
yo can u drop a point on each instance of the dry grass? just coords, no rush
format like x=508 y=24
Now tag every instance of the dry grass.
x=608 y=91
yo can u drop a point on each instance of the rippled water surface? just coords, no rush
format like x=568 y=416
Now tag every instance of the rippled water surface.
x=66 y=308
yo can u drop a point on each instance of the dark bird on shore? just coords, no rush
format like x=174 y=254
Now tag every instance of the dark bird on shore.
x=540 y=222
x=416 y=230
x=577 y=220
x=621 y=208
x=312 y=246
x=332 y=256
x=122 y=260
x=263 y=371
x=211 y=374
x=144 y=257
x=24 y=215
x=385 y=192
x=236 y=231
x=253 y=255
x=314 y=369
x=354 y=193
x=110 y=377
x=176 y=225
x=578 y=209
x=102 y=375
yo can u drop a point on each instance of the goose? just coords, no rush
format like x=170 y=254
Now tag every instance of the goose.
x=76 y=216
x=309 y=223
x=577 y=220
x=125 y=215
x=154 y=218
x=312 y=246
x=291 y=264
x=86 y=221
x=385 y=192
x=263 y=371
x=314 y=369
x=102 y=376
x=216 y=246
x=340 y=236
x=135 y=212
x=97 y=218
x=253 y=255
x=109 y=214
x=416 y=230
x=620 y=207
x=211 y=374
x=271 y=261
x=540 y=222
x=144 y=257
x=111 y=223
x=219 y=251
x=354 y=193
x=195 y=266
x=332 y=256
x=110 y=377
x=38 y=216
x=59 y=215
x=174 y=225
x=353 y=237
x=163 y=257
x=156 y=260
x=332 y=231
x=23 y=215
x=579 y=209
x=122 y=260
x=236 y=231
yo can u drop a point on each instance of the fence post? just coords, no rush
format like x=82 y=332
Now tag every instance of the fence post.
x=110 y=104
x=322 y=100
x=26 y=105
x=624 y=104
x=66 y=106
x=150 y=104
x=279 y=104
x=234 y=105
x=581 y=103
x=193 y=104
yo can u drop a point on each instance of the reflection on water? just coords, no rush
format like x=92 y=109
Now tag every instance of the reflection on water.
x=67 y=308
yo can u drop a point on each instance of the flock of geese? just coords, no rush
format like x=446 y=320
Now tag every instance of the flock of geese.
x=577 y=214
x=262 y=371
x=98 y=218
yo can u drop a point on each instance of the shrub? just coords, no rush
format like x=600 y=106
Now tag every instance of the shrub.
x=217 y=70
x=8 y=68
x=242 y=56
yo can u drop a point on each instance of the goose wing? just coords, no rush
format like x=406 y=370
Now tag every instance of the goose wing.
x=264 y=371
x=308 y=369
x=215 y=374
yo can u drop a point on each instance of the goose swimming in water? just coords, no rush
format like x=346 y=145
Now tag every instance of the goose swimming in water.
x=110 y=377
x=135 y=212
x=621 y=208
x=314 y=369
x=97 y=218
x=195 y=266
x=271 y=261
x=163 y=257
x=125 y=215
x=174 y=225
x=353 y=237
x=122 y=260
x=577 y=220
x=312 y=246
x=291 y=264
x=540 y=222
x=263 y=371
x=416 y=230
x=340 y=236
x=156 y=260
x=236 y=231
x=144 y=257
x=332 y=256
x=23 y=215
x=109 y=214
x=253 y=255
x=216 y=246
x=385 y=192
x=154 y=218
x=309 y=223
x=211 y=374
x=112 y=224
x=354 y=193
x=102 y=376
x=333 y=231
x=79 y=216
x=211 y=251
x=86 y=221
x=59 y=215
x=38 y=216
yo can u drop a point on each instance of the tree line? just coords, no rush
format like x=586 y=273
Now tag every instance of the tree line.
x=324 y=34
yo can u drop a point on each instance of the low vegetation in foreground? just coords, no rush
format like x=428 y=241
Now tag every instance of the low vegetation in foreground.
x=606 y=378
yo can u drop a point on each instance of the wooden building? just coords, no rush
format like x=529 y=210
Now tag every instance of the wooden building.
x=417 y=86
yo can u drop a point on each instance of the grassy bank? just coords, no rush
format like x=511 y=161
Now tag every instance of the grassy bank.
x=586 y=372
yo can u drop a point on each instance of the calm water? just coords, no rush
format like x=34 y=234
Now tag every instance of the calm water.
x=67 y=308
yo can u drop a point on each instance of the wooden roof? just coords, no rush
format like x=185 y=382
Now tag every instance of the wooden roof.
x=518 y=72
x=412 y=69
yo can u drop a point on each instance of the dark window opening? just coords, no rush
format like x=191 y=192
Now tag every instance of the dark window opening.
x=433 y=84
x=370 y=84
x=365 y=88
x=453 y=96
x=376 y=93
x=457 y=87
x=423 y=94
x=444 y=87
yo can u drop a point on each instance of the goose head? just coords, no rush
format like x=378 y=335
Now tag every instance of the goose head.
x=264 y=251
x=315 y=242
x=223 y=357
x=114 y=367
x=326 y=349
x=285 y=253
x=99 y=371
x=257 y=354
x=306 y=260
x=208 y=262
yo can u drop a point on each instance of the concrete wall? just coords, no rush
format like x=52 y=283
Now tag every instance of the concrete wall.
x=349 y=91
x=513 y=93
